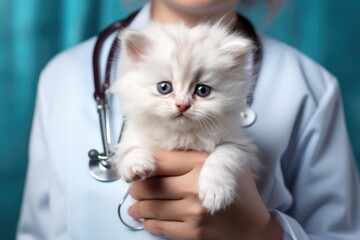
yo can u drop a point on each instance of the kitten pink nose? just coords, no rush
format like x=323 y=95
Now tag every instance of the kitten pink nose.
x=183 y=107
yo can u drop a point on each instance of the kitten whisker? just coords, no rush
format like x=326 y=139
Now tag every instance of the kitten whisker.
x=218 y=124
x=208 y=124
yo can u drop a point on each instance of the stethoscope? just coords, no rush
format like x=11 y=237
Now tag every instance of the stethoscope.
x=101 y=168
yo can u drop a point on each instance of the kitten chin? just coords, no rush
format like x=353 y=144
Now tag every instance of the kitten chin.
x=184 y=88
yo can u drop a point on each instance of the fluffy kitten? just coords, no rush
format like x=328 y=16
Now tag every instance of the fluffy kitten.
x=184 y=88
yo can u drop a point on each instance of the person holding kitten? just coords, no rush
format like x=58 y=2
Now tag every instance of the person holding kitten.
x=197 y=174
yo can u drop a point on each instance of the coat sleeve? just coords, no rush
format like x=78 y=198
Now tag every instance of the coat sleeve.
x=34 y=216
x=321 y=174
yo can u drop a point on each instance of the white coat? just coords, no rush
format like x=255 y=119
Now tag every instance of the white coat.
x=311 y=184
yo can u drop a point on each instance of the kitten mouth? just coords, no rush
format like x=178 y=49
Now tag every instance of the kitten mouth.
x=181 y=116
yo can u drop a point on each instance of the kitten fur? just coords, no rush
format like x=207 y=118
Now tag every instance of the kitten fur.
x=185 y=57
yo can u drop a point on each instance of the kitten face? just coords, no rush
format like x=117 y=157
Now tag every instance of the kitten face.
x=182 y=77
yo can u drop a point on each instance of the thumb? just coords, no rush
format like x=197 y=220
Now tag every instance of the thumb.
x=175 y=163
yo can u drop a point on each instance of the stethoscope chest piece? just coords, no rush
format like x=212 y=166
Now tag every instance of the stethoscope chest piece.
x=248 y=117
x=100 y=169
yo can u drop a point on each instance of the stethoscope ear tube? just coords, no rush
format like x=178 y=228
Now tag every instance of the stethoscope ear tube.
x=100 y=167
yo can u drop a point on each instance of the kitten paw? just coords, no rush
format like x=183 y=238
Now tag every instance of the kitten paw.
x=215 y=193
x=137 y=165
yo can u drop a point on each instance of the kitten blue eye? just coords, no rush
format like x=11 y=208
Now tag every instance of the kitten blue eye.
x=202 y=90
x=164 y=87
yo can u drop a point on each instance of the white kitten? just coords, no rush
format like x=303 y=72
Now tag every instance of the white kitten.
x=184 y=88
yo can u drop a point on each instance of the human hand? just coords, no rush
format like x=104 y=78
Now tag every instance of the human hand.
x=169 y=204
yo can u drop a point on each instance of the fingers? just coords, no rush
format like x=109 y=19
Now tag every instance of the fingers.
x=171 y=188
x=168 y=200
x=177 y=163
x=174 y=230
x=169 y=210
x=171 y=219
x=176 y=175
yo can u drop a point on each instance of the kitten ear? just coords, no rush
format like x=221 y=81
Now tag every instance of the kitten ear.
x=239 y=48
x=135 y=44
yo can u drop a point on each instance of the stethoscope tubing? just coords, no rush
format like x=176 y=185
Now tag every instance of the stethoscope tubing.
x=139 y=228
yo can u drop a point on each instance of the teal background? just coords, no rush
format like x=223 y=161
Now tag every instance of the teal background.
x=33 y=31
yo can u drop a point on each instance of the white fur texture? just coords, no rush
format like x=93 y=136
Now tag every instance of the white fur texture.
x=206 y=54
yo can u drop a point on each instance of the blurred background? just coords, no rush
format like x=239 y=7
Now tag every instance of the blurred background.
x=33 y=31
